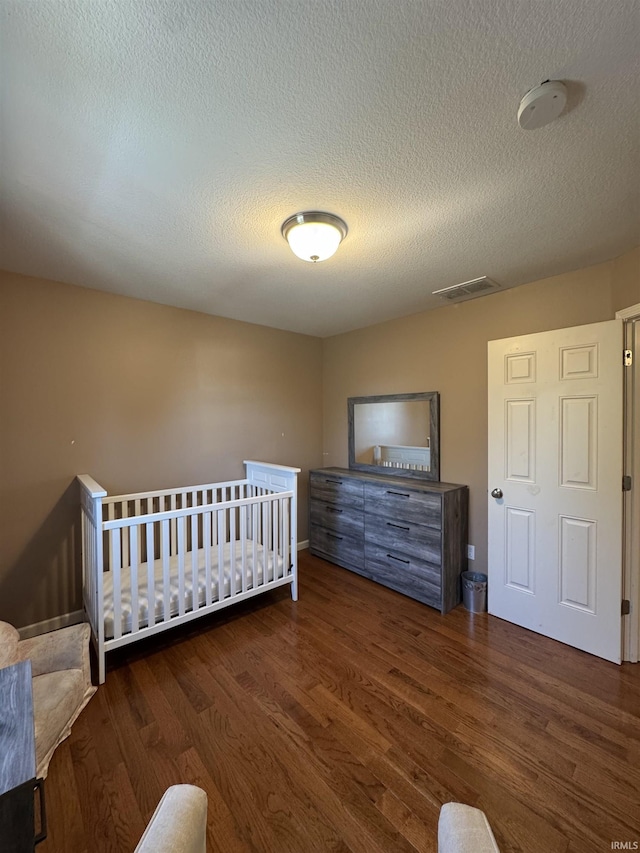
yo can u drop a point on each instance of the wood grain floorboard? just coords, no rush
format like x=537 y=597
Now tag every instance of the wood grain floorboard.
x=343 y=721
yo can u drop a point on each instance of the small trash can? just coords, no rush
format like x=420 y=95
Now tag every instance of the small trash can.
x=474 y=591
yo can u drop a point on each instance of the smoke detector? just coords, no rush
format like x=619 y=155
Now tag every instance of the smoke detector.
x=542 y=104
x=467 y=290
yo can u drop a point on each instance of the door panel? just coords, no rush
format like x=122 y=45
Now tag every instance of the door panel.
x=578 y=563
x=521 y=440
x=578 y=445
x=520 y=556
x=555 y=453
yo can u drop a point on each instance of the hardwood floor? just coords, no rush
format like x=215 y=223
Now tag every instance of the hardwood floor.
x=343 y=721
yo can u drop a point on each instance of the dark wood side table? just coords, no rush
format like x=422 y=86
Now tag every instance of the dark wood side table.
x=18 y=781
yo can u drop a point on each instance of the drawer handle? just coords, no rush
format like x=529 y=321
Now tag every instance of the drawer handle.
x=399 y=559
x=333 y=509
x=334 y=536
x=398 y=526
x=398 y=494
x=337 y=482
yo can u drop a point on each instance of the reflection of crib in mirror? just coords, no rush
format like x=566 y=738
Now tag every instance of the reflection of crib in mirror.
x=402 y=456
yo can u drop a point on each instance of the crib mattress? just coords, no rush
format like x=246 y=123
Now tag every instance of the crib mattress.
x=261 y=572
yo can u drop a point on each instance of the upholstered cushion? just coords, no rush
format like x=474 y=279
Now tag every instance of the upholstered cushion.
x=58 y=698
x=66 y=648
x=463 y=829
x=8 y=644
x=179 y=824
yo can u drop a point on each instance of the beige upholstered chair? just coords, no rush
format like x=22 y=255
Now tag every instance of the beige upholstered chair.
x=179 y=824
x=464 y=829
x=62 y=685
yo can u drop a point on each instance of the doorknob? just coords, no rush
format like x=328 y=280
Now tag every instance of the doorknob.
x=496 y=493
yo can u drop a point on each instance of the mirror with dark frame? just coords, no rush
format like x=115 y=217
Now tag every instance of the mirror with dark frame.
x=396 y=434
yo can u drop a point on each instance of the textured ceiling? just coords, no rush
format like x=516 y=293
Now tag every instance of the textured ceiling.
x=154 y=148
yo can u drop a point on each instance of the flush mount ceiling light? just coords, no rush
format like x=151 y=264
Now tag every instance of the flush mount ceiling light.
x=314 y=236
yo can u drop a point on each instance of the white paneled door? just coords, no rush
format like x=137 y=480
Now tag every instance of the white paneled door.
x=555 y=484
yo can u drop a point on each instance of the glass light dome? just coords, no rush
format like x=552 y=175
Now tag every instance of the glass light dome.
x=314 y=236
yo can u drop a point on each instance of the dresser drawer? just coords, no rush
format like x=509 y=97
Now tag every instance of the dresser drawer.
x=332 y=488
x=336 y=517
x=395 y=502
x=416 y=578
x=403 y=537
x=345 y=549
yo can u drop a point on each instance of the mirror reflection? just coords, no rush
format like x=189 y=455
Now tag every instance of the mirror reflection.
x=395 y=434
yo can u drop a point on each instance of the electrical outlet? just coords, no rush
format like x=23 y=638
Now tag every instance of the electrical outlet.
x=471 y=552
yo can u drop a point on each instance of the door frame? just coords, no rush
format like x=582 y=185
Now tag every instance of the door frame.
x=631 y=503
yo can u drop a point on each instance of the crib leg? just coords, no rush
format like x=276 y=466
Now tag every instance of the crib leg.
x=294 y=588
x=101 y=664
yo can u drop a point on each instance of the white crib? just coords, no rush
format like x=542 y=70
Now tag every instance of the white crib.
x=402 y=456
x=154 y=560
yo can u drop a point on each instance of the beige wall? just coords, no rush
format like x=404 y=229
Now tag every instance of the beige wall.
x=626 y=280
x=446 y=350
x=143 y=396
x=140 y=396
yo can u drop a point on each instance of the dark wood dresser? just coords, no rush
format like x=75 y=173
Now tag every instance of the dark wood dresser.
x=406 y=533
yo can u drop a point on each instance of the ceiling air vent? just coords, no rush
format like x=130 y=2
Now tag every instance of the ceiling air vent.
x=467 y=290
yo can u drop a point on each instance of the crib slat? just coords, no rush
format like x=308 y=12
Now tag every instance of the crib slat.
x=214 y=524
x=286 y=546
x=166 y=580
x=243 y=540
x=265 y=539
x=182 y=546
x=249 y=521
x=255 y=516
x=265 y=527
x=281 y=538
x=233 y=575
x=110 y=516
x=274 y=538
x=206 y=544
x=137 y=512
x=221 y=538
x=172 y=505
x=151 y=584
x=124 y=513
x=116 y=568
x=195 y=580
x=135 y=598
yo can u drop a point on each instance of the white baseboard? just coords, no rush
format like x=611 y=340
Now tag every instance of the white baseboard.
x=302 y=545
x=51 y=624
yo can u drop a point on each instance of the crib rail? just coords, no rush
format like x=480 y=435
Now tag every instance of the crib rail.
x=242 y=534
x=168 y=493
x=152 y=560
